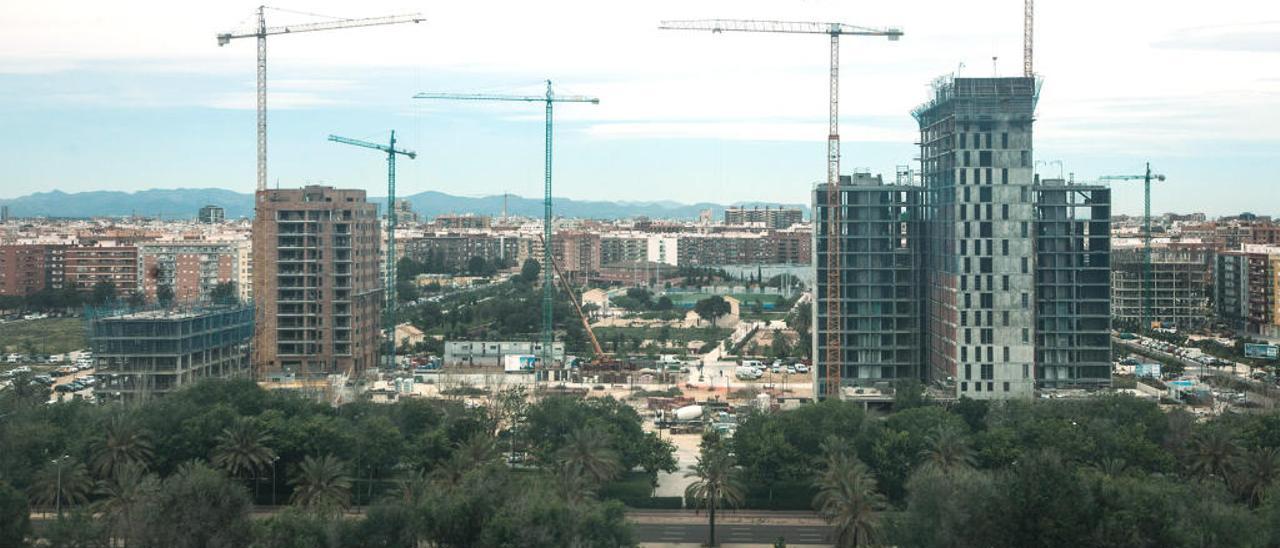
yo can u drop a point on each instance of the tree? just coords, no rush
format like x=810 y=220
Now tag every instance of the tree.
x=908 y=393
x=529 y=271
x=322 y=484
x=103 y=292
x=588 y=453
x=1256 y=472
x=477 y=266
x=78 y=529
x=123 y=442
x=847 y=497
x=716 y=482
x=164 y=295
x=406 y=291
x=224 y=293
x=947 y=449
x=61 y=481
x=15 y=516
x=196 y=507
x=136 y=299
x=243 y=450
x=1213 y=452
x=123 y=495
x=664 y=303
x=712 y=308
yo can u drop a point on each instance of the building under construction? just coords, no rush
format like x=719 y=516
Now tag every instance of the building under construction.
x=1072 y=265
x=139 y=354
x=317 y=287
x=1180 y=286
x=880 y=279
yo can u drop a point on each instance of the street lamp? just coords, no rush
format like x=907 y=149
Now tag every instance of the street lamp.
x=58 y=494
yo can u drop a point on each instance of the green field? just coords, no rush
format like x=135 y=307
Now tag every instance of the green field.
x=47 y=336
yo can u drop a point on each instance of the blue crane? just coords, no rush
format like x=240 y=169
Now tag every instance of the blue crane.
x=550 y=98
x=389 y=282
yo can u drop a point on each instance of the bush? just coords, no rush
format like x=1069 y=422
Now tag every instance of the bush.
x=633 y=485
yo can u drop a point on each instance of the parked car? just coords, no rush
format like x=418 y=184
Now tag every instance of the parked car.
x=802 y=368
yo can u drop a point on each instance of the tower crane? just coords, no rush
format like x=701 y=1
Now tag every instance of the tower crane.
x=834 y=356
x=550 y=98
x=263 y=31
x=586 y=325
x=1028 y=26
x=389 y=308
x=1146 y=179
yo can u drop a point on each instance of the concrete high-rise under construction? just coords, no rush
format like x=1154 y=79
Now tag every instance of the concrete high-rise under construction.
x=1001 y=281
x=978 y=173
x=317 y=291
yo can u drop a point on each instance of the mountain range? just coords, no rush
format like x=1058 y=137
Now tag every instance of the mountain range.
x=183 y=203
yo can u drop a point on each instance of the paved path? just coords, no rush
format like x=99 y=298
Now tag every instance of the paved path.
x=657 y=534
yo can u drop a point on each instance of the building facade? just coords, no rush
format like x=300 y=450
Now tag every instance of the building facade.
x=1247 y=290
x=977 y=170
x=86 y=266
x=190 y=269
x=316 y=285
x=1180 y=286
x=141 y=354
x=212 y=214
x=770 y=217
x=1073 y=285
x=880 y=245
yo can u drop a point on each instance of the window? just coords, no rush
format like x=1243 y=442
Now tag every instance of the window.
x=1026 y=334
x=986 y=336
x=1024 y=370
x=964 y=283
x=984 y=230
x=991 y=387
x=964 y=247
x=967 y=266
x=1004 y=175
x=964 y=387
x=1026 y=158
x=964 y=174
x=988 y=371
x=968 y=368
x=988 y=140
x=977 y=387
x=1024 y=229
x=1006 y=386
x=964 y=316
x=1006 y=353
x=966 y=158
x=1004 y=212
x=1004 y=140
x=1004 y=318
x=984 y=194
x=984 y=158
x=984 y=265
x=968 y=336
x=1004 y=247
x=966 y=194
x=1024 y=265
x=1025 y=300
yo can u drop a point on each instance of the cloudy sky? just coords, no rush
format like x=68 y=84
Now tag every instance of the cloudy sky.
x=137 y=94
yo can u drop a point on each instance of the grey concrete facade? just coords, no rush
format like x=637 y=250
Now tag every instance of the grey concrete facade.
x=977 y=169
x=880 y=246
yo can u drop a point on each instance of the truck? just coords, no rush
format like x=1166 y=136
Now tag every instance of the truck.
x=519 y=363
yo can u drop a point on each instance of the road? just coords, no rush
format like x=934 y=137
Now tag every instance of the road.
x=695 y=534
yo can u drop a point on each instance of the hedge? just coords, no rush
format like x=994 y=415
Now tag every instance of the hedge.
x=654 y=503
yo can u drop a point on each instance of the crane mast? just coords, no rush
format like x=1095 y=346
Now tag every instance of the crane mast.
x=1146 y=179
x=1028 y=27
x=262 y=31
x=548 y=278
x=389 y=281
x=834 y=325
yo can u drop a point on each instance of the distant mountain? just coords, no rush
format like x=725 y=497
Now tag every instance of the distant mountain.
x=183 y=203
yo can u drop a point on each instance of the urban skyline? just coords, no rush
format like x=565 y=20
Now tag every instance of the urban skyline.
x=693 y=99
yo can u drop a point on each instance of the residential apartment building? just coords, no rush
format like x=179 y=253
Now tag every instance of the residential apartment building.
x=146 y=353
x=28 y=269
x=977 y=170
x=190 y=269
x=1072 y=294
x=769 y=217
x=317 y=290
x=86 y=266
x=1179 y=290
x=1247 y=290
x=880 y=291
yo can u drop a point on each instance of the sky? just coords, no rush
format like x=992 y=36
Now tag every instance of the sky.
x=137 y=94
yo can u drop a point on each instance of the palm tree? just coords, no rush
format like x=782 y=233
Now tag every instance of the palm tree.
x=1213 y=452
x=847 y=499
x=946 y=449
x=243 y=452
x=414 y=486
x=122 y=495
x=61 y=480
x=717 y=482
x=322 y=484
x=1257 y=471
x=587 y=451
x=123 y=442
x=571 y=484
x=476 y=451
